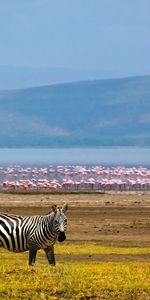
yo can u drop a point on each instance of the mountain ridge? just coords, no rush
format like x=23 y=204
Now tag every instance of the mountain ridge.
x=25 y=76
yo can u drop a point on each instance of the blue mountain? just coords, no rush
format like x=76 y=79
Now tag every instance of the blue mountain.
x=113 y=112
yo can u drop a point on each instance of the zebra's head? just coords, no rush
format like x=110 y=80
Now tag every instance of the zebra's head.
x=60 y=221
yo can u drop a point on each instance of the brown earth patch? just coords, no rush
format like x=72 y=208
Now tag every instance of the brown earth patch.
x=115 y=218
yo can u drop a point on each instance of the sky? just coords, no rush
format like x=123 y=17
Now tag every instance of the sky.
x=108 y=35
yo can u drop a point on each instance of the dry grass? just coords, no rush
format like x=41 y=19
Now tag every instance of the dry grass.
x=77 y=280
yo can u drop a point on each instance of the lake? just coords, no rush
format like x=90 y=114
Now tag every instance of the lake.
x=127 y=156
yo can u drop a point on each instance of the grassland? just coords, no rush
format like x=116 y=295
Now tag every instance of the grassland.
x=50 y=192
x=81 y=279
x=106 y=255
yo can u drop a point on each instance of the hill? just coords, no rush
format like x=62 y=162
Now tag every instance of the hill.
x=113 y=112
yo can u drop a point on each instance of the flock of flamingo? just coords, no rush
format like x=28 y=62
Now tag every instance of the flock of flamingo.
x=75 y=178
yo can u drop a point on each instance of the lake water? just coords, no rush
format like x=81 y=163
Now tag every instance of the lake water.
x=126 y=156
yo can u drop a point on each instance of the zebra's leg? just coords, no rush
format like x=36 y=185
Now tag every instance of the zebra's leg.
x=49 y=251
x=32 y=255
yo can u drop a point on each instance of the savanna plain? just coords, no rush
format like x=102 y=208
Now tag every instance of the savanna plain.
x=106 y=254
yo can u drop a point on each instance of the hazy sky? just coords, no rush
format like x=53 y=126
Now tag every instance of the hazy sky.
x=109 y=35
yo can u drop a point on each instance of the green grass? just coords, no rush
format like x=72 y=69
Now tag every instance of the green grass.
x=75 y=280
x=51 y=192
x=90 y=248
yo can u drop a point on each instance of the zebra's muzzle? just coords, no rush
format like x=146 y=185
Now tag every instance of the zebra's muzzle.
x=61 y=236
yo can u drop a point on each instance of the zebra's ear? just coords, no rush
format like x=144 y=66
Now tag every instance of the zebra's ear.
x=54 y=208
x=65 y=207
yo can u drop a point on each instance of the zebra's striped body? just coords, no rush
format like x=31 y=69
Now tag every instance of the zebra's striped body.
x=19 y=233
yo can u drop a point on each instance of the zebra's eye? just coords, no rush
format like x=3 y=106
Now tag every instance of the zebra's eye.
x=55 y=221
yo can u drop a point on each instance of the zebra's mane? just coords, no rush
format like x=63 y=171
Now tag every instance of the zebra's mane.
x=11 y=215
x=51 y=213
x=23 y=216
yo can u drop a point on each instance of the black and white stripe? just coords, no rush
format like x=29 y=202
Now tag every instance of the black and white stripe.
x=19 y=233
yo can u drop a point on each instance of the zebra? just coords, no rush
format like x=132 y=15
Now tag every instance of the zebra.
x=22 y=233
